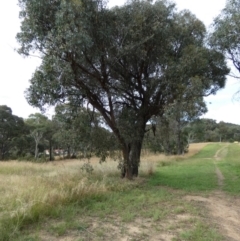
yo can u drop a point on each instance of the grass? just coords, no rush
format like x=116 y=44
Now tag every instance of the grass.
x=208 y=151
x=53 y=200
x=193 y=174
x=201 y=232
x=230 y=167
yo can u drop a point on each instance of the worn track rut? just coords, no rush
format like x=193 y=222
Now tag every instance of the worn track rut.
x=224 y=210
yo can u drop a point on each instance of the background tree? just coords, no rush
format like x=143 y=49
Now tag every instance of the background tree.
x=208 y=130
x=11 y=128
x=50 y=129
x=129 y=62
x=38 y=124
x=74 y=129
x=22 y=145
x=226 y=32
x=183 y=112
x=171 y=133
x=80 y=130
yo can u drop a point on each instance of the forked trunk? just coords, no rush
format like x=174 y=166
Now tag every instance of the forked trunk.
x=131 y=156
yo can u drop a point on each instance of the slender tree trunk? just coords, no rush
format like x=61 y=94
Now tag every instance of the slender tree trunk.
x=36 y=150
x=2 y=152
x=37 y=136
x=68 y=152
x=50 y=150
x=179 y=137
x=179 y=145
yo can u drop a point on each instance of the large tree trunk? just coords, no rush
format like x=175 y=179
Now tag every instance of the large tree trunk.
x=127 y=166
x=131 y=156
x=135 y=154
x=68 y=152
x=132 y=153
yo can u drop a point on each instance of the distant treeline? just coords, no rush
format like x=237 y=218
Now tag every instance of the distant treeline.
x=79 y=132
x=173 y=137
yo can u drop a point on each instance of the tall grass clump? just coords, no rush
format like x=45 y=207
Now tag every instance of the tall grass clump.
x=32 y=192
x=28 y=196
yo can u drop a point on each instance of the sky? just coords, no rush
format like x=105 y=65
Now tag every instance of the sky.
x=15 y=71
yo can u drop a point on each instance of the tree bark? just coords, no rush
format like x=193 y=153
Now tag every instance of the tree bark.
x=50 y=150
x=131 y=159
x=179 y=144
x=2 y=153
x=127 y=167
x=36 y=150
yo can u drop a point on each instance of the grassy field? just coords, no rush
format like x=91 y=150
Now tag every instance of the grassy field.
x=230 y=167
x=58 y=201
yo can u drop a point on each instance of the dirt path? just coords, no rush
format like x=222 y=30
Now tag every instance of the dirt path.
x=224 y=210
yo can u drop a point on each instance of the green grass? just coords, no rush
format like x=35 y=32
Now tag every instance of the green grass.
x=125 y=206
x=194 y=174
x=208 y=151
x=201 y=232
x=230 y=168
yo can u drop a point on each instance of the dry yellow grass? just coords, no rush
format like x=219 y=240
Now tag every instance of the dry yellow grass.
x=24 y=183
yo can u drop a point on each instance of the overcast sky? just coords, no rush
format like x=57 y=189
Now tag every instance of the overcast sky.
x=15 y=71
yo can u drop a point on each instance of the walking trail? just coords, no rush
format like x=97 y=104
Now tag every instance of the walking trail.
x=224 y=210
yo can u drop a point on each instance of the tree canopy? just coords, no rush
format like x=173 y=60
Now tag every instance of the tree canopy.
x=129 y=63
x=226 y=32
x=11 y=128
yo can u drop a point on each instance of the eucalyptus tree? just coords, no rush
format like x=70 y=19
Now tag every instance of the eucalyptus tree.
x=182 y=113
x=129 y=62
x=226 y=32
x=38 y=125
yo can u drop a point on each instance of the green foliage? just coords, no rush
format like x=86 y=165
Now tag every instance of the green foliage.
x=130 y=63
x=226 y=31
x=11 y=129
x=170 y=131
x=208 y=130
x=79 y=133
x=87 y=167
